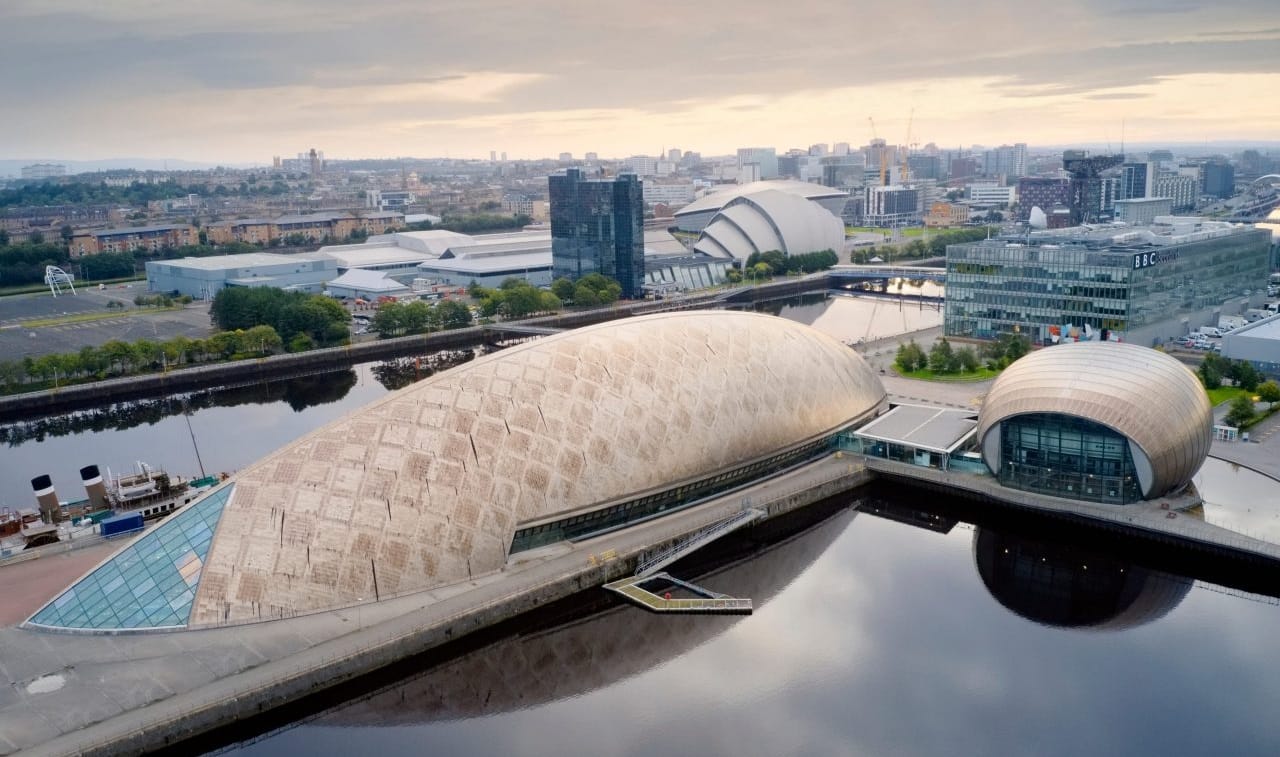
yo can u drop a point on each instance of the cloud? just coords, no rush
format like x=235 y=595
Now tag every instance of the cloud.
x=126 y=57
x=1118 y=96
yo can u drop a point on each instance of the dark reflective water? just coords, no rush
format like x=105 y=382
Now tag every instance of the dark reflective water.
x=906 y=632
x=896 y=629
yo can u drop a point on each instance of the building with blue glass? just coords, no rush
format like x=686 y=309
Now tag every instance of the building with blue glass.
x=597 y=226
x=1145 y=285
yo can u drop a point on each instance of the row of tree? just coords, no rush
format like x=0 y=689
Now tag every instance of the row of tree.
x=944 y=359
x=916 y=249
x=781 y=263
x=514 y=298
x=92 y=193
x=304 y=320
x=474 y=223
x=590 y=290
x=1215 y=368
x=1242 y=412
x=118 y=358
x=419 y=317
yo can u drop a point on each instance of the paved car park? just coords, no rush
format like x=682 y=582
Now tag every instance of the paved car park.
x=18 y=339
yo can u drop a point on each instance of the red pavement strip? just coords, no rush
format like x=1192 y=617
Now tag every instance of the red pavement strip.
x=26 y=586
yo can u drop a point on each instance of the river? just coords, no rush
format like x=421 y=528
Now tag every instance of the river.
x=899 y=628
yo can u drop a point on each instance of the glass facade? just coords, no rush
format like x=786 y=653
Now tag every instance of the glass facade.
x=615 y=515
x=1057 y=284
x=1067 y=457
x=597 y=226
x=151 y=583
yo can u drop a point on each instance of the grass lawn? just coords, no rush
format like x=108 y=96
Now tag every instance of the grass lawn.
x=982 y=374
x=1224 y=394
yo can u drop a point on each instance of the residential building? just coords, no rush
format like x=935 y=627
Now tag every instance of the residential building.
x=1137 y=180
x=675 y=194
x=521 y=204
x=1043 y=193
x=258 y=231
x=41 y=171
x=389 y=199
x=597 y=226
x=1144 y=285
x=152 y=238
x=893 y=205
x=1006 y=160
x=1181 y=190
x=641 y=165
x=765 y=159
x=1219 y=179
x=1143 y=211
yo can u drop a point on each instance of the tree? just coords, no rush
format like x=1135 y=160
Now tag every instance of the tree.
x=453 y=314
x=562 y=288
x=1241 y=411
x=1209 y=375
x=940 y=356
x=968 y=359
x=910 y=357
x=1269 y=392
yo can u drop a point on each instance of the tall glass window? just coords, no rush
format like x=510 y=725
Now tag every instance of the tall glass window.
x=1067 y=457
x=149 y=584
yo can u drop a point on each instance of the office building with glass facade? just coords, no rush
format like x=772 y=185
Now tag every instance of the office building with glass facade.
x=1144 y=285
x=1096 y=421
x=597 y=226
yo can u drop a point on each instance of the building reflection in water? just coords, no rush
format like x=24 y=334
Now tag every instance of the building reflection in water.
x=542 y=665
x=1068 y=587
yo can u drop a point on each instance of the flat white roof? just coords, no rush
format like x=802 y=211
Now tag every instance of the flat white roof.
x=372 y=281
x=243 y=260
x=1267 y=328
x=485 y=264
x=938 y=429
x=356 y=256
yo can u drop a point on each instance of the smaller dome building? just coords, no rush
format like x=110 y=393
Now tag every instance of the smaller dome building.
x=770 y=220
x=1097 y=421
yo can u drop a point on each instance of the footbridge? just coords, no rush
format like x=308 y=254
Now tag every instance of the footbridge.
x=875 y=272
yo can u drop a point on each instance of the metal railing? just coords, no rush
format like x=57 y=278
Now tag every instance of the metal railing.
x=696 y=541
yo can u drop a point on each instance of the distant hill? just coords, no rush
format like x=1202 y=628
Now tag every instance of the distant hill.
x=13 y=168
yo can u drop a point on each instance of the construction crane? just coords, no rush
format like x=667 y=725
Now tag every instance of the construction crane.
x=884 y=152
x=904 y=173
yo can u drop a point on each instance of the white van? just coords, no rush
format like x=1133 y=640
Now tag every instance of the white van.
x=1272 y=307
x=1213 y=332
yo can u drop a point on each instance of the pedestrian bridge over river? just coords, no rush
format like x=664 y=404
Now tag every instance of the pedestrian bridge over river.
x=878 y=272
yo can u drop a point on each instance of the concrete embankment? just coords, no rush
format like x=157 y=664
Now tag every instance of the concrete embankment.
x=261 y=666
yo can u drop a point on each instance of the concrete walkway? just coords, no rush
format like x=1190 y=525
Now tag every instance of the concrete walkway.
x=73 y=693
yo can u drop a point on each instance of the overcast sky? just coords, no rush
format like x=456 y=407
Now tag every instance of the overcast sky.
x=242 y=80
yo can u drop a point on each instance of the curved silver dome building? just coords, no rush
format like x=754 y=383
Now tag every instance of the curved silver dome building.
x=695 y=216
x=568 y=436
x=770 y=220
x=1099 y=421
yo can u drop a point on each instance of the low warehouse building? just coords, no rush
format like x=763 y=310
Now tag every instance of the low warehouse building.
x=203 y=278
x=1257 y=343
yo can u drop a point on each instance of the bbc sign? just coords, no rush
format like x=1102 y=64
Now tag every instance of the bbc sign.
x=1148 y=259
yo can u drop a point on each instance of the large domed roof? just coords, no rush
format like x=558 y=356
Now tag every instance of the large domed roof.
x=1148 y=397
x=770 y=220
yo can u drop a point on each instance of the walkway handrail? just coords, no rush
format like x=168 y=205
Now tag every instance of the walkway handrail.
x=714 y=530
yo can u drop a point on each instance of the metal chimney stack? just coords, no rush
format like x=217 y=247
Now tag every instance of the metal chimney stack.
x=93 y=485
x=50 y=510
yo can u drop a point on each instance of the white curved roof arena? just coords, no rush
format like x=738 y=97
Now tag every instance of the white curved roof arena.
x=430 y=483
x=697 y=214
x=764 y=221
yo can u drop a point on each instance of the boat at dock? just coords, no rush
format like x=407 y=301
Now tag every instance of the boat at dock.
x=150 y=492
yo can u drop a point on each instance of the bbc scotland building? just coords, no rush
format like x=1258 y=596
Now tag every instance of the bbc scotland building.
x=1143 y=285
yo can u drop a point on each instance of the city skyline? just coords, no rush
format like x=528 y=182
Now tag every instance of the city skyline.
x=244 y=81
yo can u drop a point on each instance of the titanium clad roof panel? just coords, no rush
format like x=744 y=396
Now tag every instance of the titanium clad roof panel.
x=773 y=220
x=429 y=482
x=1145 y=395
